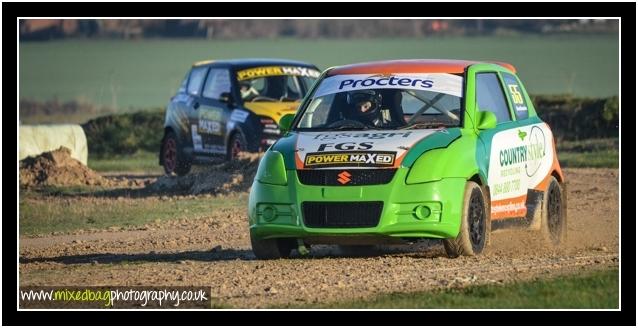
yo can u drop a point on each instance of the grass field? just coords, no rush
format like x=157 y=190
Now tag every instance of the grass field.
x=607 y=158
x=145 y=73
x=140 y=162
x=589 y=153
x=590 y=290
x=38 y=215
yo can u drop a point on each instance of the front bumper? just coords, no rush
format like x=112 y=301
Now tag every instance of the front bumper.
x=276 y=211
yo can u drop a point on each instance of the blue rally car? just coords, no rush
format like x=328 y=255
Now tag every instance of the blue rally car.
x=224 y=107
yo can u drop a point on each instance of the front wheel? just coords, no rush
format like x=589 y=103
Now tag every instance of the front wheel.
x=172 y=157
x=270 y=249
x=475 y=224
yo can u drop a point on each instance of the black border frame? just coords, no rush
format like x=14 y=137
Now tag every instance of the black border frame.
x=626 y=10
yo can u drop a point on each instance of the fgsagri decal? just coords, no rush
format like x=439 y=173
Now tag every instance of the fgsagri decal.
x=436 y=82
x=355 y=149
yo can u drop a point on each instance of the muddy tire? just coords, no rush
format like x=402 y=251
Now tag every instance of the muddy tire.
x=173 y=158
x=236 y=144
x=358 y=250
x=475 y=224
x=554 y=214
x=270 y=249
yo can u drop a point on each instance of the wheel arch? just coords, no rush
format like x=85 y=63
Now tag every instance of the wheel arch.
x=558 y=176
x=482 y=182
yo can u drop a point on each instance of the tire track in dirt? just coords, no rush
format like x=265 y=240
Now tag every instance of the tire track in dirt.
x=215 y=251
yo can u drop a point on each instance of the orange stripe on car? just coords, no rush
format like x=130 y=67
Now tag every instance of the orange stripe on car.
x=517 y=202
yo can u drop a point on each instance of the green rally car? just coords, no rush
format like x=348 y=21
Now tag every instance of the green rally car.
x=397 y=151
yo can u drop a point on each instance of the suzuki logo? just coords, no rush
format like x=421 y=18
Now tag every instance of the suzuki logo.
x=344 y=177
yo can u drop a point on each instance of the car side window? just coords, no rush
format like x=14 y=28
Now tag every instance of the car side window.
x=490 y=97
x=516 y=96
x=217 y=82
x=182 y=86
x=195 y=81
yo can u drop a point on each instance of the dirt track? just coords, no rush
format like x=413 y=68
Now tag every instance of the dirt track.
x=215 y=251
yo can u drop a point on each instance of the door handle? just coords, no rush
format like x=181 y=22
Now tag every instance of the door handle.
x=196 y=105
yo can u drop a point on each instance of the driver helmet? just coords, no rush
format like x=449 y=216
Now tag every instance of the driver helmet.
x=365 y=104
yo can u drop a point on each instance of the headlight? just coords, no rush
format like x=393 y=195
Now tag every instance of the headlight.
x=271 y=169
x=428 y=167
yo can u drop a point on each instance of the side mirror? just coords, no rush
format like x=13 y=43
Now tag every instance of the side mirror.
x=227 y=97
x=486 y=120
x=285 y=123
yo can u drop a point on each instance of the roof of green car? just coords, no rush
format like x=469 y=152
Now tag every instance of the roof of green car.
x=412 y=66
x=252 y=62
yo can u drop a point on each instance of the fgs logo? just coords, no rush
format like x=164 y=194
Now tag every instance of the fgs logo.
x=346 y=146
x=353 y=158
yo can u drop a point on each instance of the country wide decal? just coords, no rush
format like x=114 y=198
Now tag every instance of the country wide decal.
x=520 y=159
x=356 y=149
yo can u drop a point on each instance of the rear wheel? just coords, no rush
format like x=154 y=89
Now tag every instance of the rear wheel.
x=270 y=249
x=554 y=218
x=172 y=158
x=236 y=144
x=475 y=226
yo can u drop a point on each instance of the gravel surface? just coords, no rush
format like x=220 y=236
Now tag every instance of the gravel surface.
x=215 y=251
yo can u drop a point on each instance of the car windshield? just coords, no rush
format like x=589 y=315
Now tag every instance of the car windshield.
x=393 y=101
x=275 y=83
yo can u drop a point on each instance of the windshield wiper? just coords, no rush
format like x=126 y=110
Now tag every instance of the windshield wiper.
x=353 y=127
x=423 y=126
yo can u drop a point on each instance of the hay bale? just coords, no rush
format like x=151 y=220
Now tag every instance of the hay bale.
x=37 y=139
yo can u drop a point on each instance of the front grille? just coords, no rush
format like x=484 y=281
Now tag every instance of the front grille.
x=355 y=177
x=341 y=214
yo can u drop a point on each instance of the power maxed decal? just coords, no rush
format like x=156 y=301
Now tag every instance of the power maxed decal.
x=256 y=72
x=354 y=158
x=209 y=121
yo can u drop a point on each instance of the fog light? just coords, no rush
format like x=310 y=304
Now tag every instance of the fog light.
x=422 y=212
x=269 y=213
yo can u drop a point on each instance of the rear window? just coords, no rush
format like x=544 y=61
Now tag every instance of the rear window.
x=515 y=93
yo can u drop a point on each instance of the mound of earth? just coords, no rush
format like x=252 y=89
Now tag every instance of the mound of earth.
x=57 y=168
x=225 y=178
